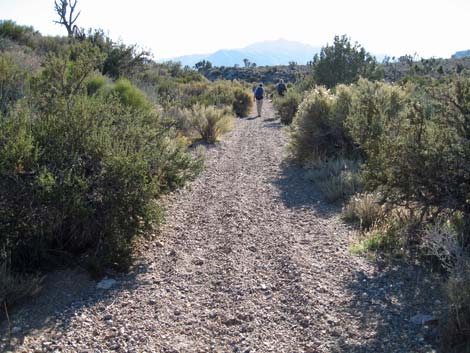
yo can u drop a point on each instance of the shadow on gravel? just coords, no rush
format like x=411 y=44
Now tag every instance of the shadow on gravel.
x=267 y=120
x=298 y=192
x=273 y=125
x=382 y=306
x=64 y=295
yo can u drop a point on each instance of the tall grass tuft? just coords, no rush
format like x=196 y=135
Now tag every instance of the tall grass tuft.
x=363 y=210
x=336 y=179
x=210 y=122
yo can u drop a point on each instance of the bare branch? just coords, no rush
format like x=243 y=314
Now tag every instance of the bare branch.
x=65 y=9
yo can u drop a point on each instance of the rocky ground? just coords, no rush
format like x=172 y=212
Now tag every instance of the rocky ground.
x=250 y=260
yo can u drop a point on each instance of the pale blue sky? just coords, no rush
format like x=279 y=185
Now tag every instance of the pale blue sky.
x=177 y=27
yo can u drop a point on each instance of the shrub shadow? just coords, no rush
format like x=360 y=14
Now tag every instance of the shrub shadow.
x=270 y=119
x=296 y=191
x=382 y=305
x=64 y=295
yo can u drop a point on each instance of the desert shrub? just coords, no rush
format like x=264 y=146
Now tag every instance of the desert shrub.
x=130 y=95
x=318 y=128
x=455 y=323
x=336 y=179
x=210 y=122
x=12 y=82
x=345 y=63
x=220 y=94
x=20 y=34
x=364 y=210
x=242 y=102
x=287 y=106
x=80 y=174
x=95 y=83
x=124 y=60
x=375 y=113
x=416 y=148
x=444 y=239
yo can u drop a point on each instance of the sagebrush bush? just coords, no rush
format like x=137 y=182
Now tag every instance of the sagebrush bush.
x=210 y=122
x=242 y=102
x=318 y=129
x=287 y=106
x=415 y=144
x=80 y=174
x=336 y=179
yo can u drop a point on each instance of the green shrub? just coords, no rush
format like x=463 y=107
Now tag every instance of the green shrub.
x=79 y=174
x=95 y=83
x=130 y=95
x=318 y=131
x=124 y=60
x=375 y=113
x=20 y=34
x=242 y=102
x=336 y=179
x=344 y=63
x=364 y=210
x=415 y=144
x=210 y=122
x=287 y=106
x=12 y=82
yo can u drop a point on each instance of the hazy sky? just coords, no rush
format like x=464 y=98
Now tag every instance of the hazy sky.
x=178 y=27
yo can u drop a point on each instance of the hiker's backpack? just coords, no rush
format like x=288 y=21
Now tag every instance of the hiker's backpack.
x=259 y=92
x=281 y=88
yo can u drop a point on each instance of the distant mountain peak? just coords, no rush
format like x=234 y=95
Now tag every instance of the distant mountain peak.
x=269 y=52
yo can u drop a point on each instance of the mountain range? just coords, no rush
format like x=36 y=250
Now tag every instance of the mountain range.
x=274 y=52
x=461 y=54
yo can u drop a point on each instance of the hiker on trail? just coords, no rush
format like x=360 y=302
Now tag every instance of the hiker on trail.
x=281 y=87
x=259 y=95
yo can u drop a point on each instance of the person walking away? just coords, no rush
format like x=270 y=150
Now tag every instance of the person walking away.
x=281 y=87
x=259 y=95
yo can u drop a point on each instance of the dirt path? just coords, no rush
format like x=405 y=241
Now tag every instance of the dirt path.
x=249 y=260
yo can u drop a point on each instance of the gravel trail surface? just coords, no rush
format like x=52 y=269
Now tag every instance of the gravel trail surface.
x=249 y=260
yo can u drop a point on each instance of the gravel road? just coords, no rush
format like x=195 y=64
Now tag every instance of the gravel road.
x=249 y=260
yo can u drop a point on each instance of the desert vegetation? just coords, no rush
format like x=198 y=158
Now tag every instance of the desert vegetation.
x=92 y=132
x=396 y=155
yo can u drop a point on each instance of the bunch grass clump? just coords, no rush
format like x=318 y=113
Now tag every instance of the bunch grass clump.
x=337 y=179
x=364 y=210
x=210 y=122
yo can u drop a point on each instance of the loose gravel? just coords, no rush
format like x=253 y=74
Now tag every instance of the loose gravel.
x=250 y=259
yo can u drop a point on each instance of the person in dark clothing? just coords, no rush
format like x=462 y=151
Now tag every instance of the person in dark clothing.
x=281 y=87
x=259 y=95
